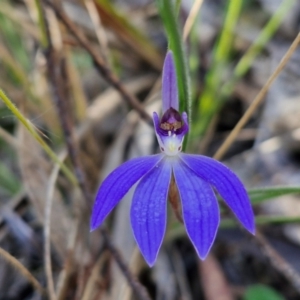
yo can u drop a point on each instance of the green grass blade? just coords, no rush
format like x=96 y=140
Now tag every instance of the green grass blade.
x=41 y=24
x=264 y=37
x=263 y=220
x=208 y=101
x=12 y=36
x=37 y=137
x=8 y=181
x=261 y=292
x=260 y=195
x=225 y=43
x=214 y=96
x=177 y=229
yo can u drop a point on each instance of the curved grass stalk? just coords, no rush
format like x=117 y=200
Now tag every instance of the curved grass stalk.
x=47 y=234
x=20 y=268
x=37 y=137
x=190 y=21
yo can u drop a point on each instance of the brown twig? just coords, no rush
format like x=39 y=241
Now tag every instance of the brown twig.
x=94 y=278
x=278 y=262
x=140 y=290
x=47 y=232
x=214 y=283
x=58 y=80
x=99 y=62
x=65 y=274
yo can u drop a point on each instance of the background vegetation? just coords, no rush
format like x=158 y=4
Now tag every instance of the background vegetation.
x=79 y=81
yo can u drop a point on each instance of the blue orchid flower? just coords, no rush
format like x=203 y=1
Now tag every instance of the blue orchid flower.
x=196 y=177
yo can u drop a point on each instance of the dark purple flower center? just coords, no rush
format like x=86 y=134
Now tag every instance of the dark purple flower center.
x=171 y=120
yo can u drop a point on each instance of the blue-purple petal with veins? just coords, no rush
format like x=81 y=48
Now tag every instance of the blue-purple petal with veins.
x=169 y=84
x=199 y=208
x=118 y=183
x=226 y=183
x=149 y=210
x=196 y=177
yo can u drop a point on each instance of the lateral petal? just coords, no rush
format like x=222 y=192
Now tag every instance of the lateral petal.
x=118 y=183
x=199 y=207
x=227 y=184
x=148 y=210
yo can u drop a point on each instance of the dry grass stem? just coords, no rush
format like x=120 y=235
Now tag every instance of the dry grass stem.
x=19 y=19
x=99 y=30
x=278 y=262
x=16 y=264
x=191 y=18
x=54 y=30
x=257 y=101
x=214 y=282
x=100 y=64
x=80 y=100
x=64 y=276
x=47 y=231
x=95 y=277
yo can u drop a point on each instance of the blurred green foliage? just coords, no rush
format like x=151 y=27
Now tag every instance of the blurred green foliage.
x=262 y=292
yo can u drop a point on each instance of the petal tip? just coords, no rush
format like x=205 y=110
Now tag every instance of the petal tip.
x=249 y=222
x=150 y=263
x=251 y=229
x=169 y=54
x=203 y=255
x=201 y=251
x=93 y=225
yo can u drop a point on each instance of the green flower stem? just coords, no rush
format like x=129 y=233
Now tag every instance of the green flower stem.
x=170 y=20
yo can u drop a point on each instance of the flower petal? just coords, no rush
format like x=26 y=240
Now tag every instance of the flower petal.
x=148 y=210
x=117 y=184
x=169 y=84
x=199 y=207
x=227 y=184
